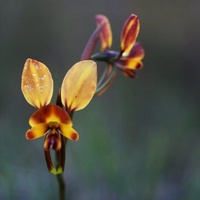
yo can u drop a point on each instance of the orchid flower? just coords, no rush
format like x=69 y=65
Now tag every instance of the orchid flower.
x=128 y=59
x=51 y=120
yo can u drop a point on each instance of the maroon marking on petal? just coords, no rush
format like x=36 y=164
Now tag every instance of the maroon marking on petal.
x=43 y=114
x=30 y=135
x=139 y=65
x=74 y=136
x=129 y=73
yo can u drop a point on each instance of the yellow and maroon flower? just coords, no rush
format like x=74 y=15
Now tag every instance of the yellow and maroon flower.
x=77 y=90
x=51 y=120
x=129 y=58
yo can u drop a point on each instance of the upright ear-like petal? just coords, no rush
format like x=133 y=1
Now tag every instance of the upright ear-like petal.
x=129 y=33
x=106 y=33
x=37 y=83
x=79 y=85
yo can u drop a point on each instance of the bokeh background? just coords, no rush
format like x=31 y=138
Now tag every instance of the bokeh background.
x=140 y=140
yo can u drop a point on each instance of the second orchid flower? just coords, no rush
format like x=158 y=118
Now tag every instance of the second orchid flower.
x=128 y=59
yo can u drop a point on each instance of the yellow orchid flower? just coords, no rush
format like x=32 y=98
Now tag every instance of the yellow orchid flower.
x=51 y=120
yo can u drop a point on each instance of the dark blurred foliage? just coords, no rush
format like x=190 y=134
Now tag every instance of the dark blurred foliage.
x=141 y=139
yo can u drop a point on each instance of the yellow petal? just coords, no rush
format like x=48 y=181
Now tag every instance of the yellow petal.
x=130 y=64
x=79 y=85
x=37 y=131
x=69 y=132
x=129 y=33
x=37 y=83
x=106 y=33
x=49 y=113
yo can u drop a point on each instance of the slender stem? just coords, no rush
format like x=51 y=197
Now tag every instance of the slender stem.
x=102 y=77
x=91 y=44
x=61 y=183
x=60 y=159
x=108 y=80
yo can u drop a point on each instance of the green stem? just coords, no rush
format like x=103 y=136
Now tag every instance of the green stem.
x=61 y=183
x=60 y=158
x=91 y=44
x=102 y=85
x=102 y=77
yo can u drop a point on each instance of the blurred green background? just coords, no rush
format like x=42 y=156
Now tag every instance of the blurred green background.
x=140 y=140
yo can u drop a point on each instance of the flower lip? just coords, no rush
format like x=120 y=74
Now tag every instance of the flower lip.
x=52 y=140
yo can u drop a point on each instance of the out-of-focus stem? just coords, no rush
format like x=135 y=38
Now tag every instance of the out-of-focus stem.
x=60 y=159
x=61 y=183
x=106 y=79
x=91 y=44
